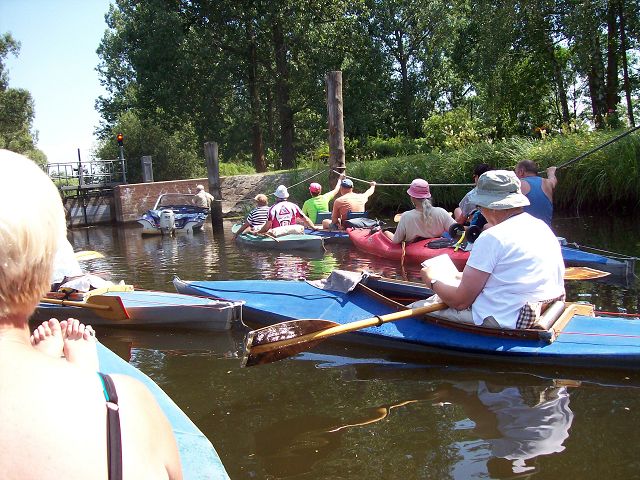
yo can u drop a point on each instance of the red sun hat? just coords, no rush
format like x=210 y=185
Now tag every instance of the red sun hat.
x=315 y=187
x=419 y=188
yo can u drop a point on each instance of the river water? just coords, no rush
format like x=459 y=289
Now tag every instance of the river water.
x=345 y=412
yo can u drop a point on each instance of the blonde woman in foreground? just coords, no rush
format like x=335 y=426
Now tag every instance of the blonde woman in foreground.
x=54 y=413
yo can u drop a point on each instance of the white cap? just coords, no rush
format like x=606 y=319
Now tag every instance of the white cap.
x=199 y=187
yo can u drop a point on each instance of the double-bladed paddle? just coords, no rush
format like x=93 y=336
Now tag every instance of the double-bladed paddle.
x=283 y=340
x=105 y=306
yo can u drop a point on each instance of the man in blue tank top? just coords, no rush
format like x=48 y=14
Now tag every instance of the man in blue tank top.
x=538 y=190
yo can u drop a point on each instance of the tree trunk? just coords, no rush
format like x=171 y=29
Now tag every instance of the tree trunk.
x=559 y=79
x=405 y=88
x=625 y=71
x=257 y=145
x=336 y=125
x=611 y=86
x=595 y=79
x=285 y=112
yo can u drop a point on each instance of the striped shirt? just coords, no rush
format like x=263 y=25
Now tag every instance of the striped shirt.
x=258 y=216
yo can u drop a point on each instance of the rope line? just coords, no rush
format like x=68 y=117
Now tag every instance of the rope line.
x=407 y=184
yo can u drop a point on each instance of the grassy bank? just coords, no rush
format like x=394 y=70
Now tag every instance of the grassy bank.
x=606 y=180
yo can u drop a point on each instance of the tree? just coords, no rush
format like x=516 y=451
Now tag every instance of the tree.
x=16 y=109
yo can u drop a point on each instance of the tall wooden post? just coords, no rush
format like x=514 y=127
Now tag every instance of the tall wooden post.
x=336 y=125
x=213 y=173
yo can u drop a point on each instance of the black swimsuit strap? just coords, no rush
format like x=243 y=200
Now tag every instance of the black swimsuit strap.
x=114 y=436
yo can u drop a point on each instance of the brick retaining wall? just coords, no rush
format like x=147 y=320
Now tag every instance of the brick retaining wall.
x=132 y=200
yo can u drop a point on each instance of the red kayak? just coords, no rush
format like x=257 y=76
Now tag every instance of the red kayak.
x=417 y=252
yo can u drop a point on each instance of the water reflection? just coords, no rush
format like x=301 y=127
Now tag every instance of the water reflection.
x=518 y=423
x=357 y=412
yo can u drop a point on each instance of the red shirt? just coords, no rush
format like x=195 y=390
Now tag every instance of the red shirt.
x=284 y=213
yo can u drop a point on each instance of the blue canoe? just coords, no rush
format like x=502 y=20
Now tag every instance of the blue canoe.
x=153 y=309
x=584 y=341
x=198 y=457
x=616 y=264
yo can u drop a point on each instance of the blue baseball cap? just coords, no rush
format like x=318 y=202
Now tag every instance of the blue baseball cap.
x=347 y=183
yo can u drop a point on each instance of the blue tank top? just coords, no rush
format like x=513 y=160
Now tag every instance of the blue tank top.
x=541 y=207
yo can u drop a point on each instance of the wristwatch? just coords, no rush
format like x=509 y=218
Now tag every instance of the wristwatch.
x=433 y=282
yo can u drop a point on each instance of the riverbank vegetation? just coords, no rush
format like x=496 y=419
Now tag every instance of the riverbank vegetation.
x=419 y=77
x=607 y=180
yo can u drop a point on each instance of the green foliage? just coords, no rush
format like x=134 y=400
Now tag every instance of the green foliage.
x=609 y=178
x=454 y=129
x=16 y=110
x=175 y=154
x=251 y=76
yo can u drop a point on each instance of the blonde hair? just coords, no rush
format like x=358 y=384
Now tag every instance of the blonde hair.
x=31 y=225
x=426 y=208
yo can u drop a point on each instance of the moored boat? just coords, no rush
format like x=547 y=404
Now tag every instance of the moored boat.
x=198 y=457
x=173 y=213
x=293 y=241
x=582 y=340
x=147 y=308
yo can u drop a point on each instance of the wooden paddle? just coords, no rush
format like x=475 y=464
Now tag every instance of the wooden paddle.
x=283 y=340
x=88 y=255
x=105 y=306
x=583 y=273
x=271 y=235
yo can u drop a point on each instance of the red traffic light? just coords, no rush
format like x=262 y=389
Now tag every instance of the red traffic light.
x=120 y=138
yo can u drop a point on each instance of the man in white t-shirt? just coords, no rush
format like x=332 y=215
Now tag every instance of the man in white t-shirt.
x=515 y=267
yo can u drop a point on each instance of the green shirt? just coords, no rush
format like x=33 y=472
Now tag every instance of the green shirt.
x=317 y=204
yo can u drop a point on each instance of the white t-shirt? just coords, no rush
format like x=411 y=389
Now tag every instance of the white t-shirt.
x=411 y=225
x=524 y=259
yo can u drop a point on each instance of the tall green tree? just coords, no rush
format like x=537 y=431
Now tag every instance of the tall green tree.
x=16 y=109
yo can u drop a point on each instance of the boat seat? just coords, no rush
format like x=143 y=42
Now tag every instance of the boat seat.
x=320 y=216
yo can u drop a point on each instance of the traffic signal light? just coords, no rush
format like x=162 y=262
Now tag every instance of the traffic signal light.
x=120 y=137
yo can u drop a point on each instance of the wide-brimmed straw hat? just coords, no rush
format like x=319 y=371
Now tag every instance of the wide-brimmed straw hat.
x=281 y=192
x=498 y=190
x=419 y=188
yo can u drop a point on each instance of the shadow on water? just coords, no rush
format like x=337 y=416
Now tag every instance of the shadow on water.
x=348 y=412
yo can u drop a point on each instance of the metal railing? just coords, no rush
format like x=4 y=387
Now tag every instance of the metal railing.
x=96 y=174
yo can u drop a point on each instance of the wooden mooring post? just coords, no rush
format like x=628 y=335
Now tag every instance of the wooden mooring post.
x=336 y=125
x=213 y=174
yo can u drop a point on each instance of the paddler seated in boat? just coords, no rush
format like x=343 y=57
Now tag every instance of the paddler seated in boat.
x=465 y=209
x=284 y=213
x=425 y=220
x=347 y=202
x=54 y=411
x=257 y=217
x=515 y=268
x=319 y=202
x=538 y=190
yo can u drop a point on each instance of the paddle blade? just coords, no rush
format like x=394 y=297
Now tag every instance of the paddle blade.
x=88 y=255
x=583 y=273
x=111 y=307
x=263 y=337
